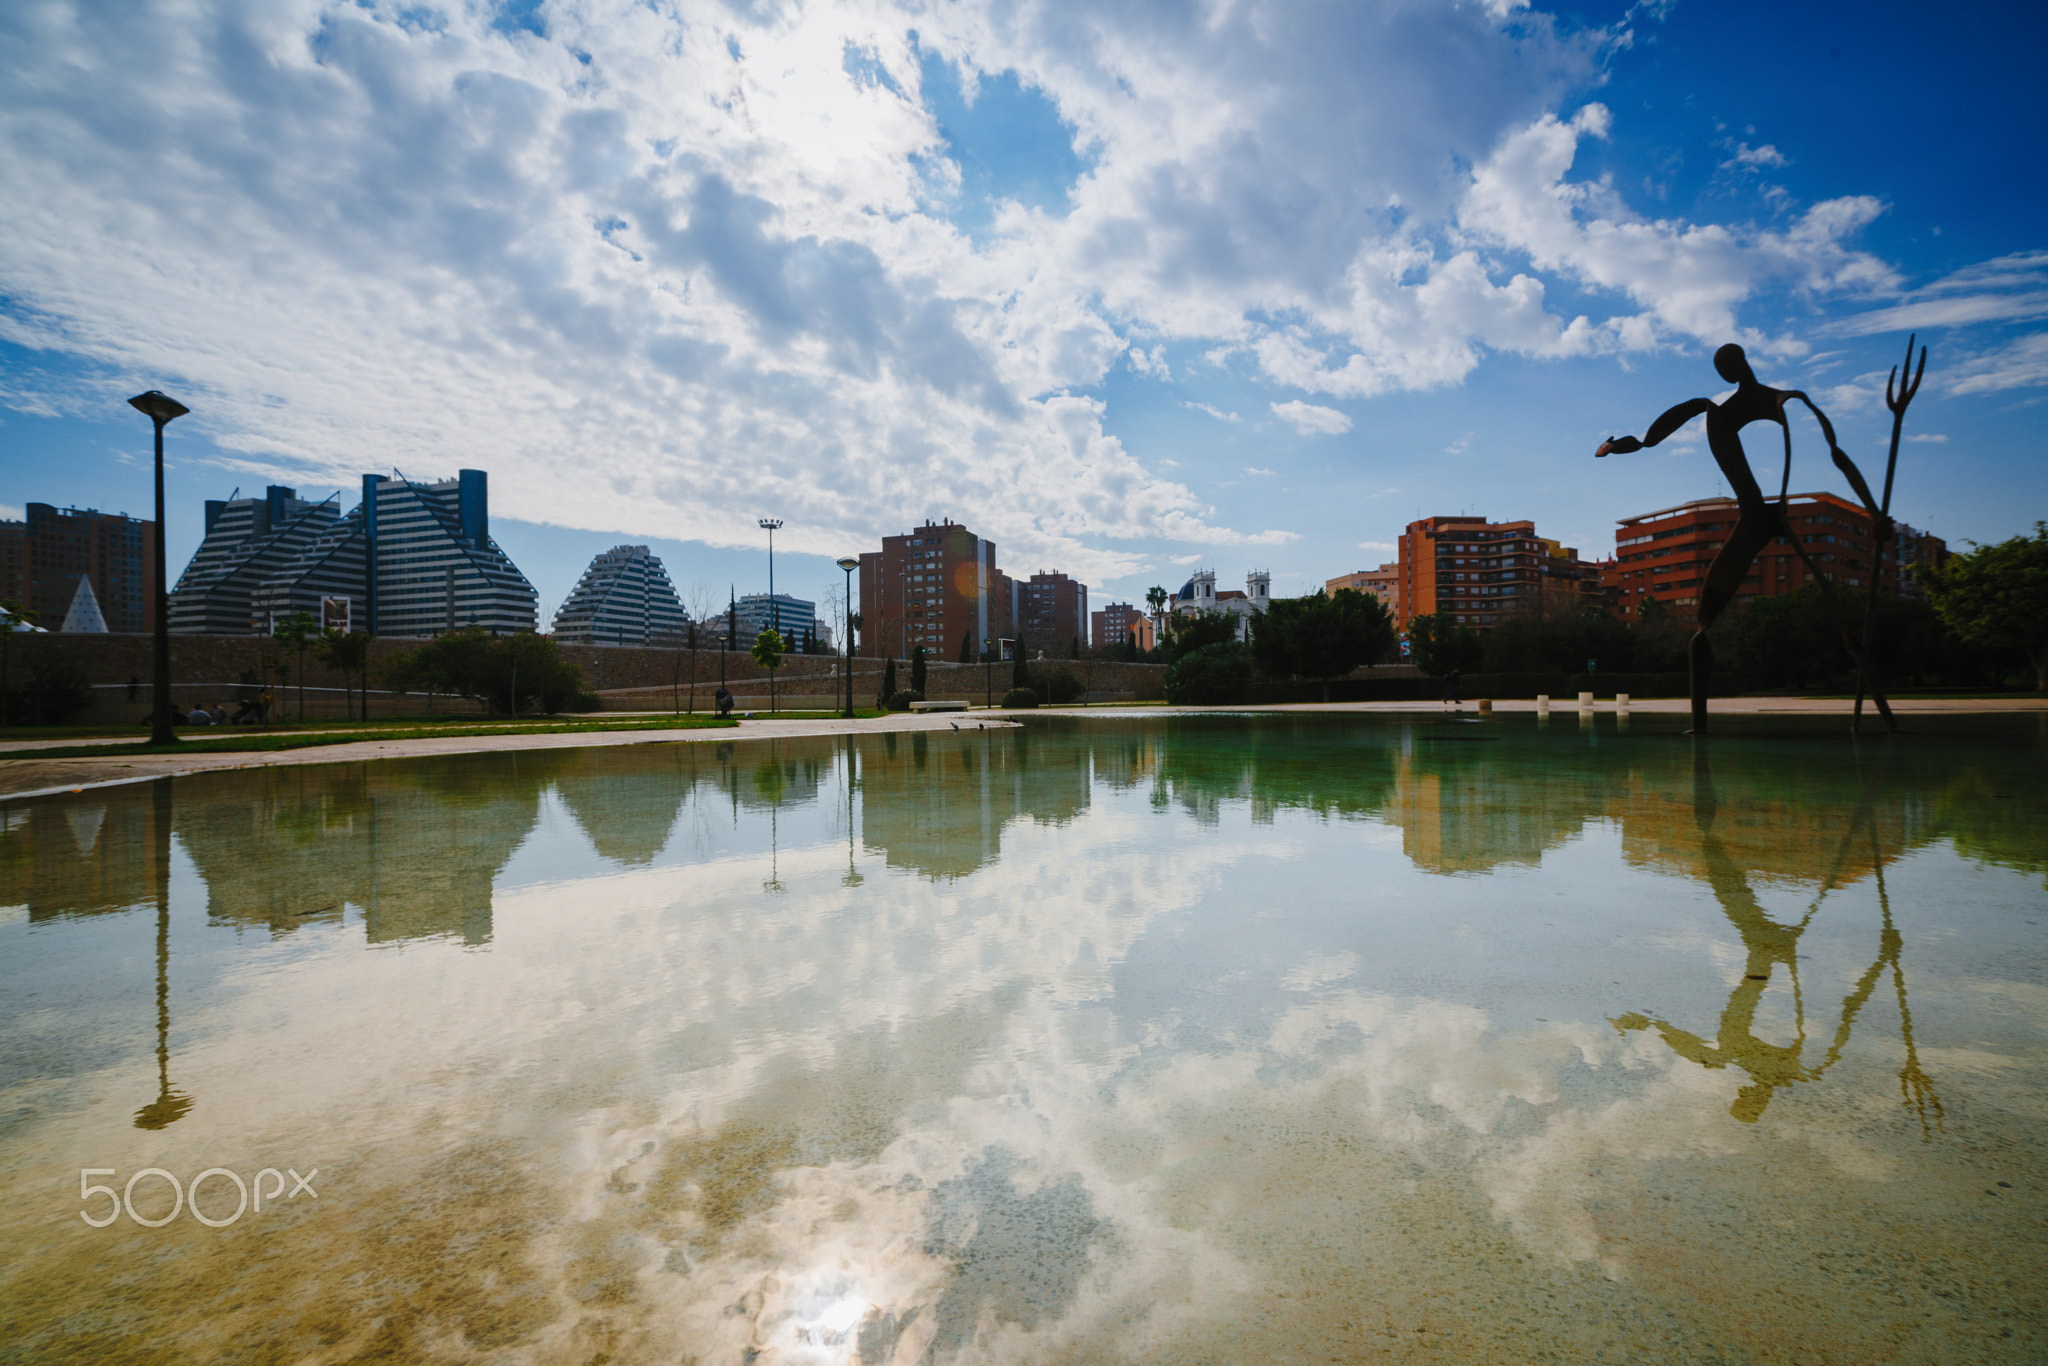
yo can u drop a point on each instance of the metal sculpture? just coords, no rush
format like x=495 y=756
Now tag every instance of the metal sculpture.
x=1760 y=519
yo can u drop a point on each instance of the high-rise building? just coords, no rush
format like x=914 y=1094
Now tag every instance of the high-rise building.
x=1052 y=612
x=935 y=586
x=1120 y=622
x=411 y=559
x=247 y=540
x=1378 y=583
x=1478 y=573
x=1665 y=554
x=792 y=616
x=43 y=556
x=623 y=598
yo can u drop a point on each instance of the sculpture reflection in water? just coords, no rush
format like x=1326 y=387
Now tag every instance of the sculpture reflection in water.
x=1770 y=945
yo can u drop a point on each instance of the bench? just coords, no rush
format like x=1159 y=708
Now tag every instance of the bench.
x=939 y=704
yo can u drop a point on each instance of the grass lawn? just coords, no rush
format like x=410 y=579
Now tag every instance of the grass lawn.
x=236 y=740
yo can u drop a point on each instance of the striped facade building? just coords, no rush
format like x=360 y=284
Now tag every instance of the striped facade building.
x=623 y=598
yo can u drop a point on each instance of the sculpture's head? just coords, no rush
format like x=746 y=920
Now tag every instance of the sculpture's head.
x=1733 y=366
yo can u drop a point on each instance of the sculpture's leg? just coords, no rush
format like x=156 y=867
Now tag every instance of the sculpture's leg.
x=1700 y=656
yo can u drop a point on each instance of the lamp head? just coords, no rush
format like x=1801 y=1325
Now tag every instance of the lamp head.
x=848 y=563
x=158 y=406
x=770 y=523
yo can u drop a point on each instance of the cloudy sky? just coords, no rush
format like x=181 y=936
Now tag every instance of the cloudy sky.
x=1127 y=288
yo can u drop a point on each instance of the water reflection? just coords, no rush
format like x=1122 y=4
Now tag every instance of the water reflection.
x=1769 y=946
x=1112 y=1041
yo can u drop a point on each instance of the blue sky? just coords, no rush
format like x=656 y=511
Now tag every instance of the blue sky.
x=1128 y=289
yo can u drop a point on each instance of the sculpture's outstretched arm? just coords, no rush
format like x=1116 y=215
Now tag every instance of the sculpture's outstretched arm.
x=1838 y=455
x=1663 y=427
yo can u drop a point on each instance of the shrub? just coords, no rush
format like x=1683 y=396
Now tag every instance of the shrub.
x=1212 y=676
x=901 y=701
x=1057 y=686
x=1020 y=697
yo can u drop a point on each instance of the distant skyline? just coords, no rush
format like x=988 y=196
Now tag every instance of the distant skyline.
x=1129 y=290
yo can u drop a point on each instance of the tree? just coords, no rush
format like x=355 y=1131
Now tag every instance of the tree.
x=917 y=671
x=349 y=655
x=1156 y=598
x=1074 y=650
x=498 y=672
x=888 y=682
x=1213 y=675
x=1191 y=633
x=967 y=647
x=294 y=633
x=767 y=652
x=1321 y=636
x=1020 y=669
x=1437 y=645
x=1997 y=595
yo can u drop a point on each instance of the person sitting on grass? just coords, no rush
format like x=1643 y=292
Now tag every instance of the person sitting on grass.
x=200 y=716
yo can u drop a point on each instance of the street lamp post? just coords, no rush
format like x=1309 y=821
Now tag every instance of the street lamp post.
x=769 y=524
x=160 y=408
x=849 y=564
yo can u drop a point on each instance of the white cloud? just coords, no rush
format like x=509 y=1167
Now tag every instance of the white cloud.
x=1212 y=411
x=1255 y=470
x=1312 y=420
x=659 y=276
x=10 y=513
x=2021 y=365
x=1745 y=155
x=1461 y=445
x=1934 y=438
x=1387 y=546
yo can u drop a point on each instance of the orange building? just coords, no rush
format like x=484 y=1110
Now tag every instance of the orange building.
x=1478 y=573
x=1378 y=582
x=1665 y=554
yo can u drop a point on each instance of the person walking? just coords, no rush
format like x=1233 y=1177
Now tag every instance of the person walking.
x=1451 y=680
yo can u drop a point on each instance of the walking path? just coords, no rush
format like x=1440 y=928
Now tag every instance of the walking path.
x=40 y=777
x=36 y=777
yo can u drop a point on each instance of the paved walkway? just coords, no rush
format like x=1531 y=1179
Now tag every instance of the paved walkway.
x=21 y=778
x=39 y=777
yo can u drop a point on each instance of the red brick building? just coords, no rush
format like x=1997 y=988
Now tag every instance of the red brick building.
x=1053 y=612
x=935 y=586
x=1665 y=554
x=1119 y=622
x=1477 y=572
x=43 y=557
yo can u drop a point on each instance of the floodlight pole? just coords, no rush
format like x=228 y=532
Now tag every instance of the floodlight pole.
x=160 y=408
x=849 y=564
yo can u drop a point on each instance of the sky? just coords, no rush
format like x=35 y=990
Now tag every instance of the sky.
x=1128 y=289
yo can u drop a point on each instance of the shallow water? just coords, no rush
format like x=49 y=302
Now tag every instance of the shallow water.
x=1216 y=1039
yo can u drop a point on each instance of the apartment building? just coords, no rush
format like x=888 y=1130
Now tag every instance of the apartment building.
x=1052 y=612
x=247 y=540
x=623 y=598
x=1477 y=572
x=936 y=586
x=1666 y=554
x=1378 y=583
x=45 y=555
x=1121 y=621
x=412 y=559
x=792 y=616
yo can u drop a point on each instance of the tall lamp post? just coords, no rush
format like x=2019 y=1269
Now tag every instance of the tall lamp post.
x=160 y=408
x=988 y=686
x=769 y=524
x=849 y=564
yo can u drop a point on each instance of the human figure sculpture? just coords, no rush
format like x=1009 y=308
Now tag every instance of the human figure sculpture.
x=1758 y=519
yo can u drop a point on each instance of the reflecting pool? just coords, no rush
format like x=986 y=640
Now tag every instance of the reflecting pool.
x=1211 y=1039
